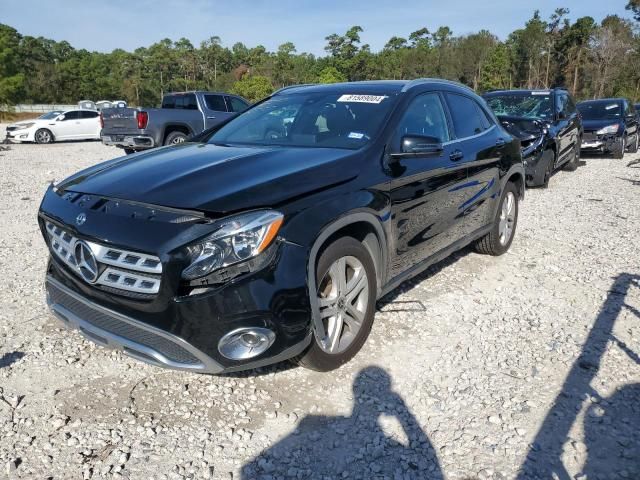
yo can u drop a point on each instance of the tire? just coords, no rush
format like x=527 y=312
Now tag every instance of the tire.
x=619 y=147
x=43 y=136
x=175 y=137
x=547 y=162
x=633 y=148
x=129 y=151
x=356 y=304
x=572 y=165
x=493 y=242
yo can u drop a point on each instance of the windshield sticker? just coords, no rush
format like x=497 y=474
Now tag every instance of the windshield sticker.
x=611 y=107
x=362 y=98
x=356 y=135
x=540 y=93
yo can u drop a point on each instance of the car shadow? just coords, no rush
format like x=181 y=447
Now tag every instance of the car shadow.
x=9 y=359
x=611 y=434
x=388 y=303
x=380 y=439
x=630 y=180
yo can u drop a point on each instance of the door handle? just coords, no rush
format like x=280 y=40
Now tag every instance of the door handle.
x=211 y=118
x=456 y=155
x=500 y=142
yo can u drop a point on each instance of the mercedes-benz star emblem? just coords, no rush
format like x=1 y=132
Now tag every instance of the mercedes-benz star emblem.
x=86 y=262
x=81 y=218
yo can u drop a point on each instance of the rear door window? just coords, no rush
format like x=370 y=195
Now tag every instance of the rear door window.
x=74 y=115
x=236 y=105
x=215 y=103
x=87 y=114
x=465 y=115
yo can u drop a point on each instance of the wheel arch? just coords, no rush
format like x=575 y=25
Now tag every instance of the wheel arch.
x=365 y=227
x=175 y=127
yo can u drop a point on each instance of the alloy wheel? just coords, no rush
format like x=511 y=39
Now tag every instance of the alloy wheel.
x=507 y=218
x=178 y=140
x=43 y=136
x=343 y=297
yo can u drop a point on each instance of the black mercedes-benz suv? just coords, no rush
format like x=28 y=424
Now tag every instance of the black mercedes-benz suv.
x=548 y=126
x=243 y=248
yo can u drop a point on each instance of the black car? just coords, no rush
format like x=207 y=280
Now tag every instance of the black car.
x=610 y=126
x=548 y=126
x=247 y=248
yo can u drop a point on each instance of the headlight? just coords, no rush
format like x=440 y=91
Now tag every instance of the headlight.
x=237 y=239
x=609 y=129
x=23 y=126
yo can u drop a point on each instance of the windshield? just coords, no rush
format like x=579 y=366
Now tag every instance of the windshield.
x=50 y=115
x=536 y=105
x=600 y=110
x=323 y=120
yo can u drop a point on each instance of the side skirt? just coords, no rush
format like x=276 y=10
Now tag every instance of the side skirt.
x=436 y=257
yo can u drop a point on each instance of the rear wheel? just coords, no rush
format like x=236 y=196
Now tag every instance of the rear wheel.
x=619 y=148
x=499 y=239
x=43 y=136
x=346 y=296
x=175 y=137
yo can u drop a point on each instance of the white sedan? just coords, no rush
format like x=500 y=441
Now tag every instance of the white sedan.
x=57 y=126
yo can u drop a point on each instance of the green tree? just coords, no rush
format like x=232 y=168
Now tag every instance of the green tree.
x=253 y=87
x=331 y=75
x=11 y=79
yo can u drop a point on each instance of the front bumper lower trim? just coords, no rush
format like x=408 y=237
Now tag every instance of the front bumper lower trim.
x=139 y=351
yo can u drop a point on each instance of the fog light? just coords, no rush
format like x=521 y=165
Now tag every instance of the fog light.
x=244 y=343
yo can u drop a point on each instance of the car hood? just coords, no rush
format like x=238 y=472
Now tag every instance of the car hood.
x=595 y=125
x=526 y=129
x=216 y=179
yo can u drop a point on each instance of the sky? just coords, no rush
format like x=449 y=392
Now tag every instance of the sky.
x=105 y=25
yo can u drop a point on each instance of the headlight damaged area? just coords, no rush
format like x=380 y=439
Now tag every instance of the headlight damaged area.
x=532 y=133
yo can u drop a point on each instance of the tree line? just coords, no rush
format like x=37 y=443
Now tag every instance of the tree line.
x=590 y=59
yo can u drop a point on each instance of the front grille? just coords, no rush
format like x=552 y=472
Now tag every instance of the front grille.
x=118 y=269
x=589 y=137
x=116 y=326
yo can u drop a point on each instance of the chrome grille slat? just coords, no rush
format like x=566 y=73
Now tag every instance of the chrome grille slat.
x=125 y=270
x=115 y=278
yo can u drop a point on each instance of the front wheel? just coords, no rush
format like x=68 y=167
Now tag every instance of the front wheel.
x=43 y=136
x=499 y=239
x=619 y=148
x=572 y=165
x=633 y=148
x=346 y=296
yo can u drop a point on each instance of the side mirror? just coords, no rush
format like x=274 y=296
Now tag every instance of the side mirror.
x=419 y=146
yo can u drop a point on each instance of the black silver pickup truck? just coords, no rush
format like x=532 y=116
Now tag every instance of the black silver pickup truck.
x=181 y=115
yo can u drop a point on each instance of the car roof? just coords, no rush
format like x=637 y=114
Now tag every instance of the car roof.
x=370 y=86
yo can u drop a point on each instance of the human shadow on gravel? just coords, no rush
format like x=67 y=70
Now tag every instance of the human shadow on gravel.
x=327 y=447
x=9 y=359
x=612 y=437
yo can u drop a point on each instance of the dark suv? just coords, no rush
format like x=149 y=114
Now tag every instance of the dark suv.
x=548 y=125
x=258 y=244
x=610 y=126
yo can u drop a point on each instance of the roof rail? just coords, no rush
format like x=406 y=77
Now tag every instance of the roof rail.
x=289 y=87
x=420 y=81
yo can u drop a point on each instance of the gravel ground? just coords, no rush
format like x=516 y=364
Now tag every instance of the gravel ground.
x=523 y=366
